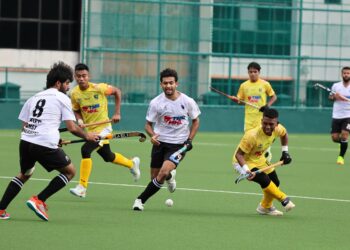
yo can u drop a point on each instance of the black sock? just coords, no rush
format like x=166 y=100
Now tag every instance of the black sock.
x=343 y=148
x=55 y=185
x=11 y=192
x=150 y=190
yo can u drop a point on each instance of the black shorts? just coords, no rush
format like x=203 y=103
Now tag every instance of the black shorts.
x=340 y=124
x=49 y=158
x=162 y=152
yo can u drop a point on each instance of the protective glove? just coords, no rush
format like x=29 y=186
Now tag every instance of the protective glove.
x=263 y=108
x=188 y=143
x=285 y=158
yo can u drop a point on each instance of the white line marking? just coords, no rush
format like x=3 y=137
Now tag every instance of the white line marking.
x=194 y=190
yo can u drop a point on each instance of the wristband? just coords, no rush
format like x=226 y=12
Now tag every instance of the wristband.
x=285 y=148
x=245 y=167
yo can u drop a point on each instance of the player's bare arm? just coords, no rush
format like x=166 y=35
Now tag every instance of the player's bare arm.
x=149 y=130
x=194 y=128
x=117 y=101
x=272 y=100
x=78 y=131
x=241 y=161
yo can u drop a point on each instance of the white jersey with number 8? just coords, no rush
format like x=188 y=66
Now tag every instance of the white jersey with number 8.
x=43 y=114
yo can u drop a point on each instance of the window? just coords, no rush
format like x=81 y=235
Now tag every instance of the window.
x=38 y=24
x=252 y=30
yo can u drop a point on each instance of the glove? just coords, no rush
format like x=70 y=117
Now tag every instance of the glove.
x=188 y=143
x=285 y=158
x=263 y=108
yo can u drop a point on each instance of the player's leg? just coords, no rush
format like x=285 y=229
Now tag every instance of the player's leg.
x=132 y=164
x=51 y=160
x=85 y=169
x=336 y=135
x=272 y=191
x=27 y=162
x=345 y=128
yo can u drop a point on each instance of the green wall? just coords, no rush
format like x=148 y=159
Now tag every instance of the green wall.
x=213 y=118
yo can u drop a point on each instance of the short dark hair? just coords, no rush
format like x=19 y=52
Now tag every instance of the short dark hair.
x=59 y=72
x=271 y=113
x=345 y=68
x=168 y=72
x=254 y=65
x=81 y=66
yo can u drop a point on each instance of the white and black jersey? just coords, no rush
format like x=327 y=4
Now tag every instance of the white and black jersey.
x=171 y=118
x=341 y=109
x=43 y=114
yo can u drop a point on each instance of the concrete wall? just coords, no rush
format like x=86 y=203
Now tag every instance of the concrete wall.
x=213 y=118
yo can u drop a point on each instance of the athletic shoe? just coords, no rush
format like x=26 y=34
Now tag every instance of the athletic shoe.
x=288 y=204
x=268 y=211
x=340 y=160
x=79 y=191
x=172 y=182
x=39 y=207
x=4 y=215
x=135 y=170
x=138 y=206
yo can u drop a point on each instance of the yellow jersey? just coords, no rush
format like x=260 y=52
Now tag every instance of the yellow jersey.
x=92 y=103
x=255 y=142
x=255 y=93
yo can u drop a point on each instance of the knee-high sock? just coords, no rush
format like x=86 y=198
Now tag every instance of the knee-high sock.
x=275 y=192
x=152 y=188
x=343 y=147
x=267 y=200
x=13 y=188
x=122 y=160
x=85 y=171
x=55 y=185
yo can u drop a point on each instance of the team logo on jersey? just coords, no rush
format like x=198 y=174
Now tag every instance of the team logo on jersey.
x=258 y=153
x=176 y=120
x=254 y=98
x=91 y=108
x=182 y=106
x=96 y=96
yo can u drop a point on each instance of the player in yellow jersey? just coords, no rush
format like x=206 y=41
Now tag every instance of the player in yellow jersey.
x=249 y=156
x=90 y=105
x=259 y=92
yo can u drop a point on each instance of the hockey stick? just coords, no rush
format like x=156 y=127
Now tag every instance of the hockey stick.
x=234 y=98
x=176 y=156
x=113 y=136
x=86 y=125
x=245 y=176
x=318 y=85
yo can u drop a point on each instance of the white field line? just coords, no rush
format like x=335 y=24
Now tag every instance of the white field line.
x=194 y=190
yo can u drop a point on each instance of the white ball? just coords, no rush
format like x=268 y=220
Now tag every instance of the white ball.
x=169 y=202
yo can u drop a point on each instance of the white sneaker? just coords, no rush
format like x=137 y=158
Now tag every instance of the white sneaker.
x=172 y=182
x=79 y=191
x=268 y=211
x=138 y=206
x=135 y=170
x=290 y=205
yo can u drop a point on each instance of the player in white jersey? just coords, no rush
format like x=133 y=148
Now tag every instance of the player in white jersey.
x=172 y=121
x=42 y=115
x=341 y=113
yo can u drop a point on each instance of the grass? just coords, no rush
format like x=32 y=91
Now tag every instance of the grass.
x=210 y=211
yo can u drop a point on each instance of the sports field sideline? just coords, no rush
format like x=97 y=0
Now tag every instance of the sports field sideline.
x=210 y=211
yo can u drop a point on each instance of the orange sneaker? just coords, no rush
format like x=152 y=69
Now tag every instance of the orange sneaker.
x=39 y=207
x=4 y=215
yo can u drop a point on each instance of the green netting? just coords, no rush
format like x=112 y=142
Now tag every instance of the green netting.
x=297 y=43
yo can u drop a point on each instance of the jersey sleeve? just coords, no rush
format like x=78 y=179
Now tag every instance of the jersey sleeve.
x=193 y=109
x=151 y=115
x=280 y=130
x=269 y=89
x=247 y=143
x=75 y=104
x=67 y=112
x=25 y=111
x=104 y=88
